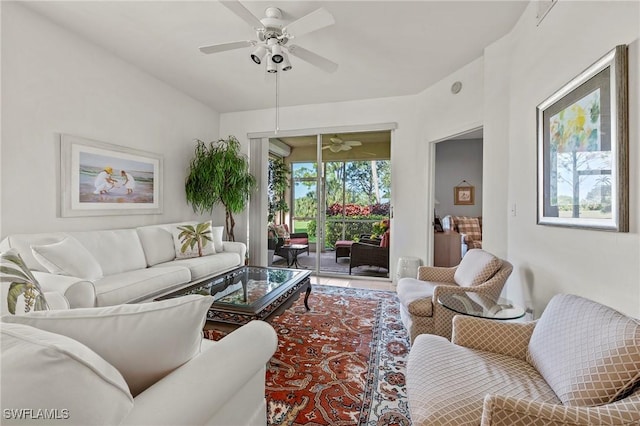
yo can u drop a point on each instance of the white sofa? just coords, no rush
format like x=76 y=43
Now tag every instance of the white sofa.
x=135 y=264
x=135 y=364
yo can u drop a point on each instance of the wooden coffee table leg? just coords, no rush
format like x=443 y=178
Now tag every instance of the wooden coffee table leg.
x=306 y=297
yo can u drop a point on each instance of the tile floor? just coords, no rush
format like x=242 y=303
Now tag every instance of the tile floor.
x=354 y=283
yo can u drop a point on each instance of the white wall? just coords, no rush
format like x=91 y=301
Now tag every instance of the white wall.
x=602 y=266
x=55 y=82
x=495 y=132
x=458 y=160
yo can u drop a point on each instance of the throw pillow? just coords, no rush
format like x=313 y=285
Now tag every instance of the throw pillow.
x=68 y=257
x=282 y=231
x=588 y=353
x=21 y=292
x=157 y=244
x=43 y=370
x=216 y=235
x=193 y=240
x=144 y=341
x=384 y=242
x=476 y=267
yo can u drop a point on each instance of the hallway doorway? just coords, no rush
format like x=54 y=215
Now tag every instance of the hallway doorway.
x=458 y=168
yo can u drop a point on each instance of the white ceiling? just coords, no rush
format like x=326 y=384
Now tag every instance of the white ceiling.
x=384 y=48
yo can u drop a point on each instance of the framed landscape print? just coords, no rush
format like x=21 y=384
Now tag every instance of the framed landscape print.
x=582 y=137
x=98 y=178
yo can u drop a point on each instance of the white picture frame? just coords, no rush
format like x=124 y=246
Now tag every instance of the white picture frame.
x=133 y=186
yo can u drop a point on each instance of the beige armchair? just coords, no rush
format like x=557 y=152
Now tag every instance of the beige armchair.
x=479 y=272
x=578 y=364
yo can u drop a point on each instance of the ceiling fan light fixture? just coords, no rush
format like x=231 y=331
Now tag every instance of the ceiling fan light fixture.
x=286 y=65
x=272 y=67
x=258 y=54
x=276 y=54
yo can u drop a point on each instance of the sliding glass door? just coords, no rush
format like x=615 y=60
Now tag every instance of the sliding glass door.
x=338 y=194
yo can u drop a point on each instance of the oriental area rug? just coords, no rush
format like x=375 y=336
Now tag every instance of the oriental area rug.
x=341 y=363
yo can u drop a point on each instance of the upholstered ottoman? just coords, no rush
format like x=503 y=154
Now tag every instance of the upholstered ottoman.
x=343 y=248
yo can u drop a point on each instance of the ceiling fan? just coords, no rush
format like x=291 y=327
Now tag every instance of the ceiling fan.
x=336 y=144
x=274 y=33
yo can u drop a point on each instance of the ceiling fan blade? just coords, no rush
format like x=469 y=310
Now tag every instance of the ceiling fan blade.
x=353 y=143
x=326 y=147
x=335 y=148
x=313 y=58
x=243 y=13
x=215 y=48
x=345 y=148
x=314 y=21
x=335 y=140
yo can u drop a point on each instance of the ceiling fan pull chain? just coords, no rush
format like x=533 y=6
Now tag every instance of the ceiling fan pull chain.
x=277 y=102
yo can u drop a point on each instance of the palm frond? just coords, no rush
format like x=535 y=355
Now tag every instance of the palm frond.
x=15 y=291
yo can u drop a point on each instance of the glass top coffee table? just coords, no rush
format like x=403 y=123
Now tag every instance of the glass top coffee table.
x=481 y=306
x=249 y=293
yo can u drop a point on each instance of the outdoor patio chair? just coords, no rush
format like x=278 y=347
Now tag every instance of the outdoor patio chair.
x=363 y=254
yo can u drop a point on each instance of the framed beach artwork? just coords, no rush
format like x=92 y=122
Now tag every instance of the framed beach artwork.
x=582 y=137
x=98 y=178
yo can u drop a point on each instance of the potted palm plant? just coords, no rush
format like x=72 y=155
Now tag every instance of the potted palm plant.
x=278 y=182
x=219 y=174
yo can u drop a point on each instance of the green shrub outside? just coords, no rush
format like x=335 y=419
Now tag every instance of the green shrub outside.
x=364 y=225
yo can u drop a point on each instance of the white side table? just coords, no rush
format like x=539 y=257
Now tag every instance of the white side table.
x=407 y=267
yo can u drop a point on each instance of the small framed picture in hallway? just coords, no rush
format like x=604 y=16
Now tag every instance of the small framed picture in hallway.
x=464 y=195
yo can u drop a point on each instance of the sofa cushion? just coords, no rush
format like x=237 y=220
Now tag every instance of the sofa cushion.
x=201 y=267
x=23 y=243
x=447 y=383
x=587 y=352
x=417 y=295
x=139 y=285
x=157 y=244
x=68 y=257
x=15 y=281
x=145 y=342
x=193 y=240
x=43 y=370
x=476 y=267
x=117 y=250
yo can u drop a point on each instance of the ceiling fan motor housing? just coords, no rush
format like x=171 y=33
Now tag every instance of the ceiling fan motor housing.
x=273 y=25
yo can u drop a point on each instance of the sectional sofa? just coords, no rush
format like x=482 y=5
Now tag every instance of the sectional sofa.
x=115 y=266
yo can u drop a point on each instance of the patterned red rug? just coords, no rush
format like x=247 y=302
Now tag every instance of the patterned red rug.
x=342 y=363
